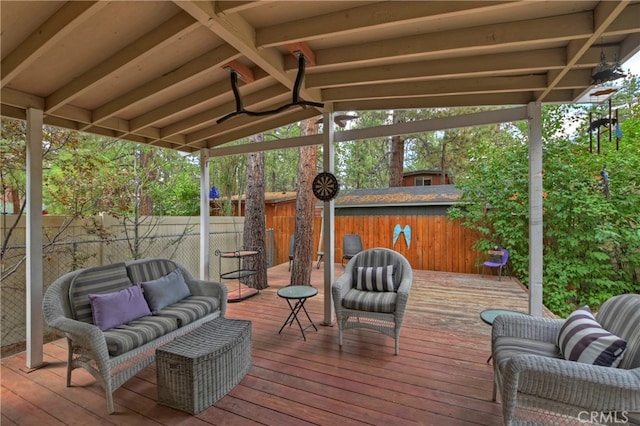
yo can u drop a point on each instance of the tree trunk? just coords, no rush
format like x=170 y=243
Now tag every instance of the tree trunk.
x=443 y=162
x=305 y=202
x=396 y=163
x=147 y=175
x=254 y=219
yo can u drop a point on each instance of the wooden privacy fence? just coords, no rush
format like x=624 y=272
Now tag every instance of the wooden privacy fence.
x=437 y=243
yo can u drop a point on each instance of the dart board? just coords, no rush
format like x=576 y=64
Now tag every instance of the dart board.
x=325 y=186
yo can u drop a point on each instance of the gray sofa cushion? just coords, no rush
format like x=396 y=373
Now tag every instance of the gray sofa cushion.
x=189 y=310
x=149 y=269
x=165 y=291
x=129 y=336
x=97 y=280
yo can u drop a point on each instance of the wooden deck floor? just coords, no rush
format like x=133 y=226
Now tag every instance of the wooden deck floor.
x=440 y=377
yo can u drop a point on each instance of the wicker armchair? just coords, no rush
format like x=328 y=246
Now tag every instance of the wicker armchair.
x=538 y=386
x=381 y=311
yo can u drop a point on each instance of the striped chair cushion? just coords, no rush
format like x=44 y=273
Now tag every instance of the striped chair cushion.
x=375 y=278
x=97 y=280
x=129 y=336
x=621 y=316
x=507 y=347
x=375 y=257
x=370 y=301
x=582 y=338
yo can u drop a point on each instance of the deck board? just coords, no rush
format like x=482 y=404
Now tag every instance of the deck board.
x=440 y=377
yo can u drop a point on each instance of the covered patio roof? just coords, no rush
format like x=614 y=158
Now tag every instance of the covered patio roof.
x=158 y=72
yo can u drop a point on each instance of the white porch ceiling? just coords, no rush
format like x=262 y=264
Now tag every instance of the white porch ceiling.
x=152 y=71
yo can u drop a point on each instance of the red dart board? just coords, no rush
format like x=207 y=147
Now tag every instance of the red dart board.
x=325 y=186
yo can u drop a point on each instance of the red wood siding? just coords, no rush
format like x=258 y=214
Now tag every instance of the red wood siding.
x=437 y=243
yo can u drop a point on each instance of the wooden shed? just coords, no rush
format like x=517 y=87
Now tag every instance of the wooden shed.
x=429 y=239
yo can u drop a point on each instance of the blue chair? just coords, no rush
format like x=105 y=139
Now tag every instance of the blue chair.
x=491 y=263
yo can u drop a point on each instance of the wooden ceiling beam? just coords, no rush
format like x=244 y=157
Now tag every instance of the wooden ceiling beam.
x=303 y=48
x=469 y=41
x=244 y=72
x=446 y=101
x=192 y=69
x=480 y=65
x=368 y=17
x=58 y=26
x=236 y=31
x=438 y=88
x=136 y=51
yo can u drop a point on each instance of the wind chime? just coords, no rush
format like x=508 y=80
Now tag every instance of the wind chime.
x=605 y=73
x=610 y=123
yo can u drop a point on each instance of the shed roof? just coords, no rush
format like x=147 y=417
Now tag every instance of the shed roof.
x=441 y=195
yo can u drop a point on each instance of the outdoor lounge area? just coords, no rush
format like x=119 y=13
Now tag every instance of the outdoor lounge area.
x=165 y=74
x=440 y=377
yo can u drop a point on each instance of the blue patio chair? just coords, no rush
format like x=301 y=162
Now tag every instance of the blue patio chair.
x=498 y=263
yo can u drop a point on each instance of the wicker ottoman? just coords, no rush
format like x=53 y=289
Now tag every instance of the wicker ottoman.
x=196 y=370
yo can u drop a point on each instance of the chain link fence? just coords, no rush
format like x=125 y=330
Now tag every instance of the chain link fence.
x=63 y=257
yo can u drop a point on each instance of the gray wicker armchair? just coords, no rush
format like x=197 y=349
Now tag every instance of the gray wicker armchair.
x=381 y=311
x=538 y=386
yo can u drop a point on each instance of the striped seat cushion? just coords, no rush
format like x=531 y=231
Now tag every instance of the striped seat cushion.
x=507 y=347
x=582 y=338
x=129 y=336
x=189 y=309
x=370 y=301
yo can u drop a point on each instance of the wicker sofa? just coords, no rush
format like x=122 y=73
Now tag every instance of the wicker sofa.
x=538 y=385
x=115 y=354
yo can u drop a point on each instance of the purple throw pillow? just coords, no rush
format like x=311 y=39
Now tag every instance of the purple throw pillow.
x=110 y=310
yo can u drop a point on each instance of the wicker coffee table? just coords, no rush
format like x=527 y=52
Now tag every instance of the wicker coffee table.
x=196 y=370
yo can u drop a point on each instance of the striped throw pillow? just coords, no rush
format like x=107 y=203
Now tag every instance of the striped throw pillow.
x=379 y=278
x=582 y=339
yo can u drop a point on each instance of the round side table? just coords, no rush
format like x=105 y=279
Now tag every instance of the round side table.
x=299 y=293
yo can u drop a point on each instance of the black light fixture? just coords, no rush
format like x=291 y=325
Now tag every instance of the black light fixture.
x=295 y=94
